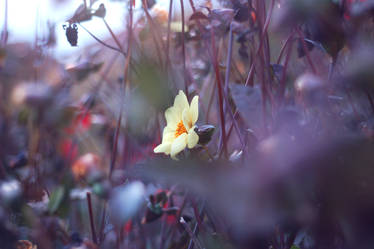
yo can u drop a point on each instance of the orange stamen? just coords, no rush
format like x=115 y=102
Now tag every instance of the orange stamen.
x=180 y=129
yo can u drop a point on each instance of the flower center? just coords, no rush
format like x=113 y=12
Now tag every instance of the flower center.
x=180 y=129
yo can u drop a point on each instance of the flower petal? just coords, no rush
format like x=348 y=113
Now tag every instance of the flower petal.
x=163 y=148
x=180 y=102
x=168 y=134
x=171 y=117
x=194 y=109
x=186 y=118
x=178 y=144
x=192 y=138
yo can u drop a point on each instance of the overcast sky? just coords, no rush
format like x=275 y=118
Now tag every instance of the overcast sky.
x=26 y=17
x=23 y=15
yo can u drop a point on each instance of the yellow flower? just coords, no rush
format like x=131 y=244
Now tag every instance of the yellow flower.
x=180 y=124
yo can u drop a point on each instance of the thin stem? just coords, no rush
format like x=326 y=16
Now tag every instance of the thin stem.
x=197 y=225
x=371 y=101
x=306 y=50
x=113 y=35
x=168 y=34
x=153 y=29
x=263 y=33
x=190 y=233
x=115 y=143
x=220 y=93
x=92 y=223
x=100 y=41
x=208 y=153
x=228 y=61
x=289 y=38
x=192 y=6
x=283 y=79
x=227 y=78
x=210 y=102
x=4 y=34
x=184 y=51
x=125 y=74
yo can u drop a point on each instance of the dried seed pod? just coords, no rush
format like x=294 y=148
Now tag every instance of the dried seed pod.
x=71 y=34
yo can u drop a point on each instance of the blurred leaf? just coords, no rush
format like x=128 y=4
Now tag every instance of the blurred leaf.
x=329 y=33
x=81 y=14
x=197 y=16
x=242 y=12
x=363 y=8
x=248 y=101
x=83 y=70
x=294 y=247
x=359 y=73
x=56 y=199
x=220 y=19
x=153 y=85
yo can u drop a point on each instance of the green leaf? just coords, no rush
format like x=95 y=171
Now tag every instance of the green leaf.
x=56 y=199
x=294 y=247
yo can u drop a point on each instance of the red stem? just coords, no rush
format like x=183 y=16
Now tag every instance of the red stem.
x=93 y=230
x=263 y=33
x=168 y=34
x=113 y=35
x=220 y=93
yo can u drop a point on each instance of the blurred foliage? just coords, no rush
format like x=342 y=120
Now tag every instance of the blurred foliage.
x=77 y=168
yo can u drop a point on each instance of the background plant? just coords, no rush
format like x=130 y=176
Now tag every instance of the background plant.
x=285 y=129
